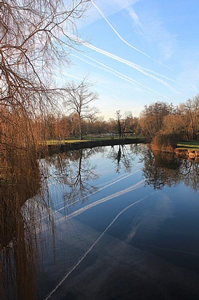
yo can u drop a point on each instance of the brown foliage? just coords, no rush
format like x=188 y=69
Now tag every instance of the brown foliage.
x=151 y=119
x=33 y=36
x=165 y=141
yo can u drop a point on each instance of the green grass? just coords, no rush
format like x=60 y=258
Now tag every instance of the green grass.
x=59 y=142
x=86 y=139
x=189 y=145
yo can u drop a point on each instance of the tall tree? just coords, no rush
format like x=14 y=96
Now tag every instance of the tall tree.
x=191 y=112
x=119 y=125
x=33 y=36
x=151 y=119
x=78 y=97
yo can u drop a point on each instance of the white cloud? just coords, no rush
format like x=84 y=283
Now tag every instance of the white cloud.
x=108 y=7
x=148 y=24
x=134 y=16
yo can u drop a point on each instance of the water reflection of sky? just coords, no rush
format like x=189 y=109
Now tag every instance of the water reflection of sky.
x=123 y=234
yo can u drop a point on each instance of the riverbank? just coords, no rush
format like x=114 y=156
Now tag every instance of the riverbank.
x=188 y=149
x=76 y=145
x=187 y=153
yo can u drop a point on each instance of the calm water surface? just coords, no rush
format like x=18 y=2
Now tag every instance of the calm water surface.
x=118 y=223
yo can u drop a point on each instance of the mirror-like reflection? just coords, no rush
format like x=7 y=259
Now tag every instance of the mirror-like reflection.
x=122 y=157
x=162 y=169
x=86 y=224
x=19 y=181
x=74 y=170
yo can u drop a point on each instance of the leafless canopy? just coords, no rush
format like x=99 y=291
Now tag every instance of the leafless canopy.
x=78 y=98
x=33 y=36
x=34 y=41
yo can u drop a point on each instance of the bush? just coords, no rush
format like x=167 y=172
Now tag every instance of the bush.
x=166 y=142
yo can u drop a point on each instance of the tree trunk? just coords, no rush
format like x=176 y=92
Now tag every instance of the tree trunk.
x=80 y=127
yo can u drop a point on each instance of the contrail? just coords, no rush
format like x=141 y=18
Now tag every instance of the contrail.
x=155 y=73
x=122 y=60
x=72 y=76
x=123 y=40
x=139 y=68
x=118 y=74
x=93 y=245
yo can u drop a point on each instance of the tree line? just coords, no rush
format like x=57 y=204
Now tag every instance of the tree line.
x=34 y=44
x=165 y=125
x=158 y=121
x=59 y=126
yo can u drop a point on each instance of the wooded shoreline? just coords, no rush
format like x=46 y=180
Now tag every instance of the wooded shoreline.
x=70 y=146
x=91 y=144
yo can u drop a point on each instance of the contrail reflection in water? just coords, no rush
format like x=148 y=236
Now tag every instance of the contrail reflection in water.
x=120 y=193
x=102 y=188
x=93 y=245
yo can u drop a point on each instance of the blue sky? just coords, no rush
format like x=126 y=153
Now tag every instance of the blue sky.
x=138 y=52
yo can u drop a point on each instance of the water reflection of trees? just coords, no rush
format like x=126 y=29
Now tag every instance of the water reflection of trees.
x=74 y=170
x=123 y=156
x=19 y=181
x=162 y=169
x=20 y=219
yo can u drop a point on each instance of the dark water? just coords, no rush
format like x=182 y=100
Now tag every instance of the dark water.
x=113 y=223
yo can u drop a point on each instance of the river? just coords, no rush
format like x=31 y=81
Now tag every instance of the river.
x=109 y=223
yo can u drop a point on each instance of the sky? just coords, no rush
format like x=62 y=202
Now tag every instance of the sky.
x=138 y=52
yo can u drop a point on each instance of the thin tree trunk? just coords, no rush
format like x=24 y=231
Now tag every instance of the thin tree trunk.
x=80 y=127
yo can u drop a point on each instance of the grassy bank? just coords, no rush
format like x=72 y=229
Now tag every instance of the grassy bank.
x=189 y=145
x=88 y=139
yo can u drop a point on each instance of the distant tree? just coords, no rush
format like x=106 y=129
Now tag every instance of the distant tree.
x=112 y=125
x=73 y=124
x=99 y=126
x=127 y=122
x=119 y=125
x=63 y=125
x=191 y=113
x=174 y=123
x=78 y=97
x=136 y=128
x=151 y=118
x=130 y=123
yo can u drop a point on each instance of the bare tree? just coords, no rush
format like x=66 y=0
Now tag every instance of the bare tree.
x=118 y=116
x=191 y=112
x=151 y=119
x=78 y=97
x=33 y=40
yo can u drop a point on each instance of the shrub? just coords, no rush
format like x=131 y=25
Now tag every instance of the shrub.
x=166 y=142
